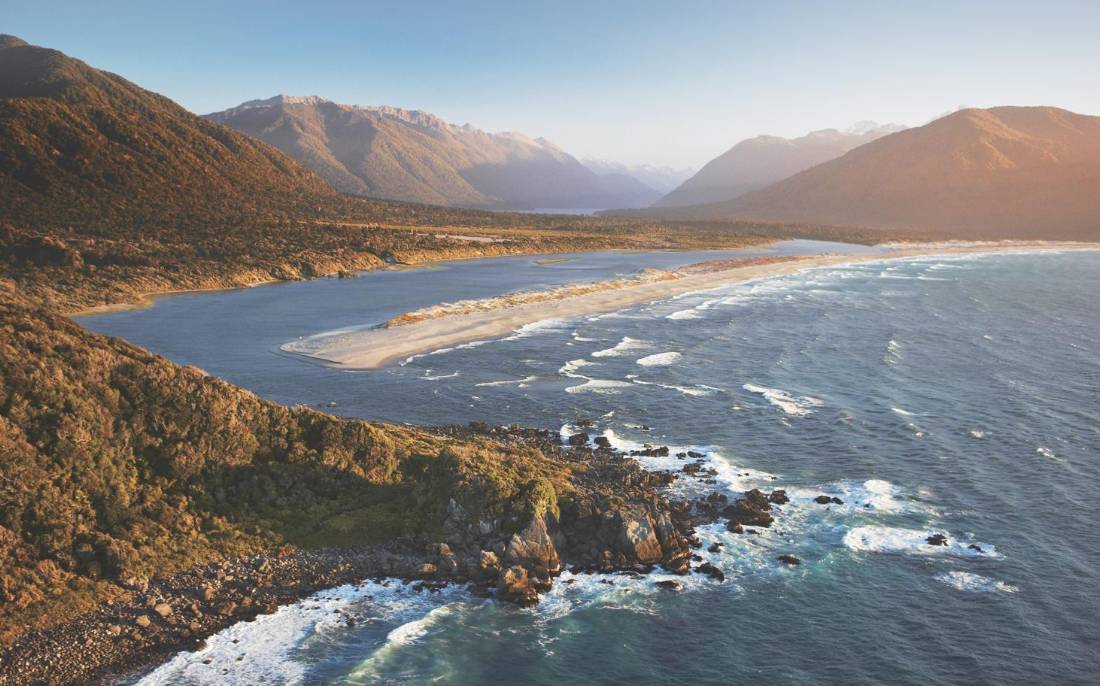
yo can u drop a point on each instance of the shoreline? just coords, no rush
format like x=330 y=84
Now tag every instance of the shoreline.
x=126 y=639
x=373 y=348
x=145 y=300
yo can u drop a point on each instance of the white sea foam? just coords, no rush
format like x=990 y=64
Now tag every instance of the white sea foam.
x=507 y=382
x=976 y=433
x=697 y=391
x=796 y=406
x=1047 y=453
x=582 y=339
x=660 y=359
x=535 y=328
x=261 y=651
x=888 y=539
x=903 y=413
x=570 y=368
x=428 y=376
x=685 y=314
x=893 y=352
x=975 y=583
x=625 y=345
x=599 y=386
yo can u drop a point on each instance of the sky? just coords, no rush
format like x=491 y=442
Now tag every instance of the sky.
x=661 y=83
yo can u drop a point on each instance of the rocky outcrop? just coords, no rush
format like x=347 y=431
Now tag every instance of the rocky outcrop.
x=754 y=509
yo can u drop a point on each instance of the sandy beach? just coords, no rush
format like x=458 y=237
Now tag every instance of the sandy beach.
x=376 y=347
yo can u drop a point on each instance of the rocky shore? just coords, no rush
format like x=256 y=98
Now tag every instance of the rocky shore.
x=617 y=517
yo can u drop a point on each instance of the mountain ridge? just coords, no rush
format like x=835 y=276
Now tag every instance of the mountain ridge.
x=412 y=155
x=1011 y=171
x=755 y=162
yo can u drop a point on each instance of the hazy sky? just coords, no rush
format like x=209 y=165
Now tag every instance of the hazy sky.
x=674 y=82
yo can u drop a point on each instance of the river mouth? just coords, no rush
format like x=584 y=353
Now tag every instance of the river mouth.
x=935 y=395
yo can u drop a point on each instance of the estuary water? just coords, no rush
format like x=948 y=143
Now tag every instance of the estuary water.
x=954 y=395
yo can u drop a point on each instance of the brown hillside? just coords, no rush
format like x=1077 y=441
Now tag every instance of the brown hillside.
x=1023 y=172
x=756 y=162
x=75 y=141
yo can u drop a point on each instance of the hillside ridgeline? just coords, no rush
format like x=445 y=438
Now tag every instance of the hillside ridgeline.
x=1006 y=172
x=756 y=162
x=397 y=154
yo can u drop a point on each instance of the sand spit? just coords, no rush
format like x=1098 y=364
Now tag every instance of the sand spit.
x=448 y=326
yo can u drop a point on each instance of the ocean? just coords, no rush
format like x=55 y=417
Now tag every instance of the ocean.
x=954 y=395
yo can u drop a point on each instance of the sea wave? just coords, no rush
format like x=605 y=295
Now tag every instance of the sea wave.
x=262 y=650
x=625 y=345
x=888 y=539
x=796 y=406
x=975 y=583
x=507 y=382
x=599 y=386
x=659 y=359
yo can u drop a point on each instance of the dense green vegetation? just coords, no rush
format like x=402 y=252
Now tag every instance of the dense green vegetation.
x=117 y=465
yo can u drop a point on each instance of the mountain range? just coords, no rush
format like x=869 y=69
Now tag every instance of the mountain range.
x=399 y=154
x=757 y=162
x=660 y=178
x=1021 y=172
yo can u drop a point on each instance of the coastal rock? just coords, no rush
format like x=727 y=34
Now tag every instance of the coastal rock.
x=751 y=510
x=936 y=539
x=578 y=440
x=426 y=570
x=533 y=548
x=711 y=571
x=514 y=586
x=602 y=442
x=789 y=560
x=489 y=564
x=637 y=538
x=779 y=497
x=823 y=500
x=143 y=621
x=163 y=609
x=668 y=585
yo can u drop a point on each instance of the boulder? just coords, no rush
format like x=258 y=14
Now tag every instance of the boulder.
x=426 y=570
x=163 y=609
x=711 y=571
x=789 y=560
x=489 y=564
x=637 y=539
x=823 y=500
x=533 y=548
x=936 y=539
x=602 y=442
x=779 y=497
x=514 y=586
x=668 y=585
x=578 y=440
x=751 y=510
x=143 y=621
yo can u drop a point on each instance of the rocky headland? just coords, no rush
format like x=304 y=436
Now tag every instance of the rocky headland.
x=616 y=517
